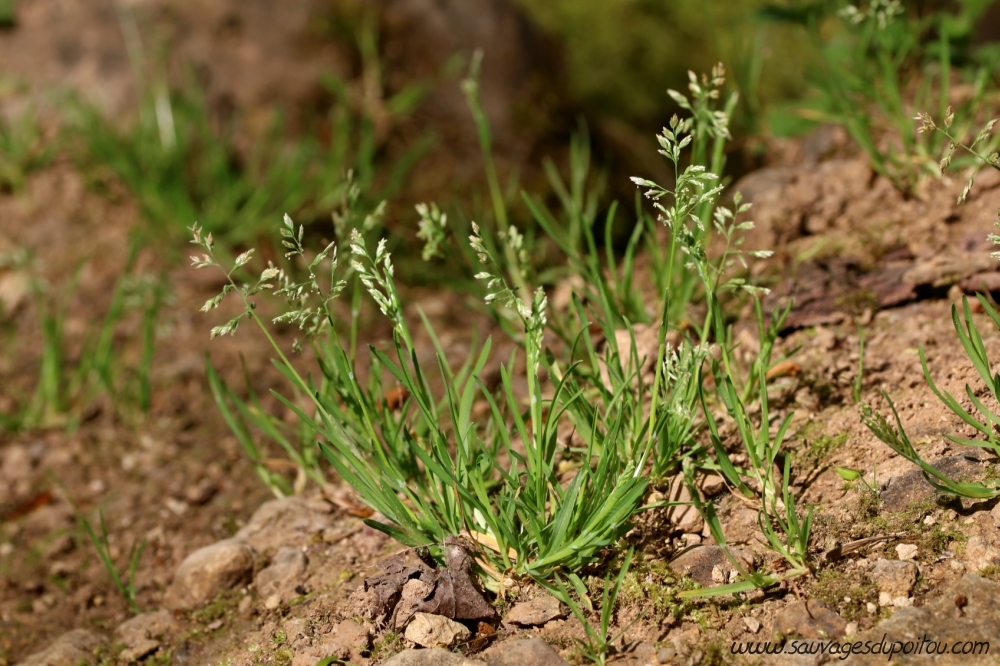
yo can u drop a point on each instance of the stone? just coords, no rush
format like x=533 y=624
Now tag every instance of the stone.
x=699 y=563
x=431 y=631
x=979 y=554
x=287 y=522
x=536 y=612
x=895 y=577
x=283 y=575
x=810 y=619
x=432 y=657
x=415 y=591
x=906 y=551
x=208 y=571
x=532 y=651
x=752 y=624
x=69 y=649
x=910 y=487
x=143 y=634
x=945 y=269
x=966 y=613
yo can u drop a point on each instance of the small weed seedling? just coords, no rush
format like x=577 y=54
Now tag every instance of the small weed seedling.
x=858 y=382
x=895 y=438
x=786 y=531
x=23 y=149
x=67 y=385
x=597 y=646
x=125 y=586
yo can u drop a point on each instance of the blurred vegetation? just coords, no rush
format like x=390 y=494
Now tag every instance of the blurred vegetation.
x=622 y=55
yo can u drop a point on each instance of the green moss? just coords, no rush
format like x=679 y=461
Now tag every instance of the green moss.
x=222 y=607
x=991 y=572
x=653 y=587
x=833 y=586
x=857 y=301
x=389 y=644
x=160 y=658
x=816 y=450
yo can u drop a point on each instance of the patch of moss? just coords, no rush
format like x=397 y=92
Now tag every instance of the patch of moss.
x=160 y=658
x=222 y=607
x=653 y=587
x=107 y=655
x=992 y=572
x=833 y=586
x=857 y=301
x=387 y=645
x=817 y=449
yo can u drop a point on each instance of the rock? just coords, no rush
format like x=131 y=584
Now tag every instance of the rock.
x=431 y=631
x=415 y=591
x=432 y=657
x=988 y=282
x=532 y=651
x=536 y=612
x=283 y=575
x=142 y=634
x=965 y=614
x=286 y=522
x=896 y=577
x=907 y=551
x=752 y=624
x=69 y=649
x=208 y=571
x=810 y=619
x=911 y=487
x=978 y=554
x=141 y=648
x=942 y=270
x=700 y=562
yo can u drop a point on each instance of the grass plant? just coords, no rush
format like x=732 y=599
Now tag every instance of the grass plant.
x=432 y=469
x=125 y=584
x=860 y=75
x=598 y=644
x=181 y=167
x=23 y=149
x=70 y=379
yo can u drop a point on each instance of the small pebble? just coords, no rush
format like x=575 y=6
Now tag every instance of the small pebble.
x=871 y=608
x=906 y=551
x=752 y=624
x=176 y=506
x=851 y=628
x=930 y=520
